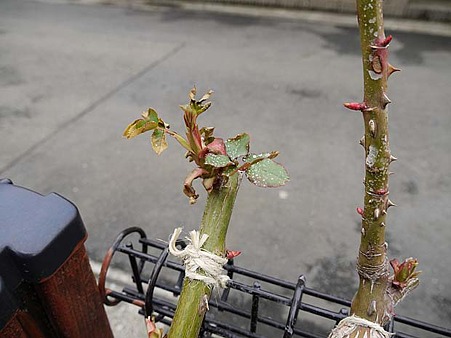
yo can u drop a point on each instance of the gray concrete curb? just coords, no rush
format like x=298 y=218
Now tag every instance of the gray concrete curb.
x=314 y=16
x=430 y=10
x=340 y=19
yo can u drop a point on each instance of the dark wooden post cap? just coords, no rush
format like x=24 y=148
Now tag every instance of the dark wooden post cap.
x=37 y=235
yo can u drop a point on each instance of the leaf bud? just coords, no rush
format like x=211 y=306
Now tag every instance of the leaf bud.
x=359 y=211
x=355 y=105
x=403 y=272
x=231 y=254
x=386 y=41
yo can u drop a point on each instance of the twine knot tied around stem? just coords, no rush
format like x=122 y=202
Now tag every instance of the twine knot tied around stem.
x=365 y=328
x=200 y=264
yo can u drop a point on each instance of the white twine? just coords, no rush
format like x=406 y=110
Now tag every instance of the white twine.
x=199 y=264
x=351 y=324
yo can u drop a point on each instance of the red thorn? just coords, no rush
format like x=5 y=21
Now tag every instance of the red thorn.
x=231 y=254
x=386 y=41
x=355 y=105
x=360 y=211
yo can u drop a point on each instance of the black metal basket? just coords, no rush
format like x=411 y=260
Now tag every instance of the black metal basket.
x=253 y=305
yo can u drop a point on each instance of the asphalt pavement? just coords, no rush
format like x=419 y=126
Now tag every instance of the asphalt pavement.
x=72 y=76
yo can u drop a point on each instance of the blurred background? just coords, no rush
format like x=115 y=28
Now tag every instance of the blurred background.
x=73 y=74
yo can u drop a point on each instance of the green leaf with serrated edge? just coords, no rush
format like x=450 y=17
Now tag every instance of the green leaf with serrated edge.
x=237 y=146
x=217 y=161
x=253 y=158
x=267 y=173
x=158 y=141
x=150 y=115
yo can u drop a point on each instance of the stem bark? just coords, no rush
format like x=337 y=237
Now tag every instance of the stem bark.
x=215 y=221
x=370 y=301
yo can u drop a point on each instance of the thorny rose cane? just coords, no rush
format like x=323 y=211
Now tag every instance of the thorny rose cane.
x=378 y=293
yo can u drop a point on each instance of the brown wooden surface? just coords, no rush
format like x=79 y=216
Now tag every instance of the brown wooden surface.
x=30 y=319
x=24 y=325
x=72 y=301
x=13 y=329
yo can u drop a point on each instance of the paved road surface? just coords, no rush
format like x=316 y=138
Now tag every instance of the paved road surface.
x=73 y=76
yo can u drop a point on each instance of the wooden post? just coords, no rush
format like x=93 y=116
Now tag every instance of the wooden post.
x=47 y=288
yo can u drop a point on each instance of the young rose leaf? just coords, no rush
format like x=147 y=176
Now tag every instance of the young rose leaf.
x=267 y=173
x=148 y=122
x=217 y=147
x=206 y=96
x=217 y=161
x=158 y=140
x=197 y=107
x=207 y=134
x=188 y=188
x=237 y=146
x=138 y=127
x=192 y=93
x=200 y=106
x=404 y=271
x=150 y=115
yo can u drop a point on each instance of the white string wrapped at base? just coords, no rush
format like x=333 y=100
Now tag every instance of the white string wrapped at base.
x=361 y=328
x=199 y=264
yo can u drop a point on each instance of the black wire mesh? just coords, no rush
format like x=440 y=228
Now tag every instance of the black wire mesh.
x=254 y=305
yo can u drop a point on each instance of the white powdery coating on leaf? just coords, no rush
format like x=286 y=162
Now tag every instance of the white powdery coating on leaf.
x=217 y=161
x=267 y=173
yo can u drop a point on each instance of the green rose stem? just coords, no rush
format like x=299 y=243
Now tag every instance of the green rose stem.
x=376 y=295
x=220 y=164
x=215 y=221
x=369 y=302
